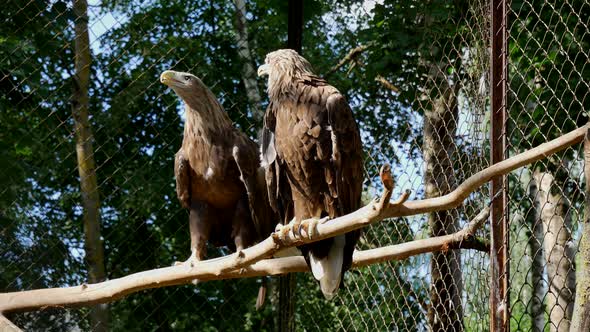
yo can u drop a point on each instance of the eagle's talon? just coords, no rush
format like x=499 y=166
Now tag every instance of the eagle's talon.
x=310 y=226
x=296 y=228
x=282 y=231
x=278 y=233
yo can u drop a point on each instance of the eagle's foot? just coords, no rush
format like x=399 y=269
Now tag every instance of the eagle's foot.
x=283 y=230
x=310 y=226
x=295 y=226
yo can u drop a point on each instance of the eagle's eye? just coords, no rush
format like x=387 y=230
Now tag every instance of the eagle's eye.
x=187 y=78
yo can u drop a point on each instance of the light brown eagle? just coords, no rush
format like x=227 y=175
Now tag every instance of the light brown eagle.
x=218 y=174
x=312 y=152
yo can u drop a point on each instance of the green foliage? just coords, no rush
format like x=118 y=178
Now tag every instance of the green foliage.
x=548 y=70
x=137 y=129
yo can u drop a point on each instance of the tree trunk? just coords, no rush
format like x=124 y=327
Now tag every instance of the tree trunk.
x=537 y=309
x=440 y=124
x=581 y=315
x=248 y=73
x=86 y=166
x=559 y=251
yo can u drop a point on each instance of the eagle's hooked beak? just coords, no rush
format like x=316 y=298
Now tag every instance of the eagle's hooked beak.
x=168 y=77
x=263 y=70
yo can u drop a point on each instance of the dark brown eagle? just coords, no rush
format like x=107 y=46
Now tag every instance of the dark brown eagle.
x=218 y=174
x=312 y=152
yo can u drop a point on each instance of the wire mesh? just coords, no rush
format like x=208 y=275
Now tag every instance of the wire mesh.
x=548 y=96
x=419 y=91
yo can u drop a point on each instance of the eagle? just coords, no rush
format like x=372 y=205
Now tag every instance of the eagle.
x=218 y=175
x=312 y=153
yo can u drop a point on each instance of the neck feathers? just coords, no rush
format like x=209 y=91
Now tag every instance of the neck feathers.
x=283 y=84
x=204 y=113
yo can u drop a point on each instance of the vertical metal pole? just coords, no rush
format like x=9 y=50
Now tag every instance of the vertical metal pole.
x=295 y=25
x=288 y=283
x=499 y=302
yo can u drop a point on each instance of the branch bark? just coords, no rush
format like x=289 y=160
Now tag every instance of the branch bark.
x=237 y=265
x=93 y=248
x=387 y=84
x=8 y=326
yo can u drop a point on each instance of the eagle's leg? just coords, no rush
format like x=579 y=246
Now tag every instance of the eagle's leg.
x=199 y=232
x=242 y=235
x=308 y=224
x=183 y=182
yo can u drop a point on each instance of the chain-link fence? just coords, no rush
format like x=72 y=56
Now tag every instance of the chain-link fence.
x=548 y=96
x=417 y=78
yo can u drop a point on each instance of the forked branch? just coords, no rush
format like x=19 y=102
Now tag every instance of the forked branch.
x=351 y=56
x=244 y=264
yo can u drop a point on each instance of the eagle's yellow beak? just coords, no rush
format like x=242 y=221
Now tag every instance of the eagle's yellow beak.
x=263 y=70
x=168 y=77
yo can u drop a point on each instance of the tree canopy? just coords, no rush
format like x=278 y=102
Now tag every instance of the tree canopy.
x=137 y=124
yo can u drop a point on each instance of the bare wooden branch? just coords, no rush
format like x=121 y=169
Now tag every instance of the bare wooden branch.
x=387 y=84
x=242 y=264
x=176 y=275
x=387 y=180
x=350 y=56
x=8 y=326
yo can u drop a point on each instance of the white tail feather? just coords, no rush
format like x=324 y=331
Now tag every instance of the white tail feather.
x=328 y=271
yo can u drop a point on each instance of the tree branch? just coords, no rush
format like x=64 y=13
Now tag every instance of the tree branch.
x=387 y=84
x=8 y=326
x=350 y=56
x=242 y=264
x=176 y=275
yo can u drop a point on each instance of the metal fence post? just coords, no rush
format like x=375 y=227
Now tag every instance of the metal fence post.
x=499 y=230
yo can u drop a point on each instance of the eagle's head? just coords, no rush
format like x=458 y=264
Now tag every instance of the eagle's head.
x=197 y=97
x=184 y=84
x=282 y=66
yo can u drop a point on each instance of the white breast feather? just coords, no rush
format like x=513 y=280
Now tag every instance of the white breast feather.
x=209 y=173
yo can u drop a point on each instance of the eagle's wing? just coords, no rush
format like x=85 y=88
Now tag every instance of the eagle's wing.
x=347 y=152
x=182 y=172
x=325 y=134
x=278 y=189
x=245 y=155
x=347 y=160
x=268 y=156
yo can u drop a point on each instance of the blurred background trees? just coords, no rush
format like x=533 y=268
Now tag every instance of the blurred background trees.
x=418 y=87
